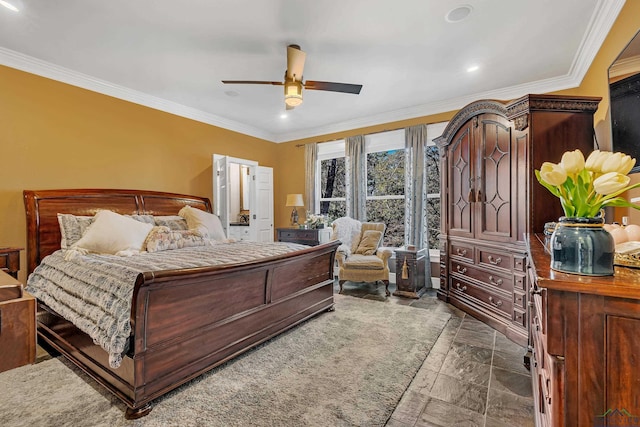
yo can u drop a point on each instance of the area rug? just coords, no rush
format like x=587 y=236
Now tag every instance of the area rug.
x=348 y=367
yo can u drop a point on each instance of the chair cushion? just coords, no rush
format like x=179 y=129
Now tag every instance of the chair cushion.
x=364 y=262
x=369 y=242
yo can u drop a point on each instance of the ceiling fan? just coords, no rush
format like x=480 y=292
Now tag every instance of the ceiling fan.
x=293 y=83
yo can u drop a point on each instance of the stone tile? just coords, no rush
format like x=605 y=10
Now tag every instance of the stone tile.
x=449 y=309
x=503 y=380
x=460 y=393
x=483 y=339
x=409 y=408
x=439 y=413
x=510 y=361
x=509 y=408
x=434 y=360
x=465 y=369
x=472 y=353
x=423 y=381
x=473 y=324
x=395 y=423
x=505 y=345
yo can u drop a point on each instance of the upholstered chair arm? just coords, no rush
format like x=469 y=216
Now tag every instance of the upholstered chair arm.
x=341 y=257
x=384 y=254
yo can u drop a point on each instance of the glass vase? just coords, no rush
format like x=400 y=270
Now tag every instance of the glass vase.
x=582 y=246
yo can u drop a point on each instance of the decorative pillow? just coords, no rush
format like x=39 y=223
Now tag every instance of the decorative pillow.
x=162 y=238
x=369 y=242
x=147 y=219
x=112 y=233
x=72 y=227
x=174 y=222
x=205 y=223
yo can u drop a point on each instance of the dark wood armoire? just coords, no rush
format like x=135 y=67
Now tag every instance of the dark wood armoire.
x=491 y=199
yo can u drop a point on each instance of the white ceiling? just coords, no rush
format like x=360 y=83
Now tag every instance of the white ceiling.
x=172 y=55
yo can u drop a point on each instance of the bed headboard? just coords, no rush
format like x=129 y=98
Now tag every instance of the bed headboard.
x=42 y=208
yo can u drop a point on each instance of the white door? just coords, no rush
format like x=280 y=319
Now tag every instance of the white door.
x=263 y=216
x=221 y=190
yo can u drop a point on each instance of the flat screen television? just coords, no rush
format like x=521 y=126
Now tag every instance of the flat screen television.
x=624 y=95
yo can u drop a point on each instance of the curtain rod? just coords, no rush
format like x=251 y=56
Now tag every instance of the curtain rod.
x=370 y=133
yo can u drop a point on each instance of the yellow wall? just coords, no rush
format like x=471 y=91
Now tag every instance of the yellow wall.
x=54 y=135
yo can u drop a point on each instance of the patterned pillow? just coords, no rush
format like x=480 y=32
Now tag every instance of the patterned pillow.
x=162 y=238
x=174 y=222
x=73 y=227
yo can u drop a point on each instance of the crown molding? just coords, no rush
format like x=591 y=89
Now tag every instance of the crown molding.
x=604 y=16
x=625 y=66
x=36 y=66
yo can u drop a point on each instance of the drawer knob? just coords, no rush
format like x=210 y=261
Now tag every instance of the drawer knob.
x=461 y=252
x=494 y=261
x=461 y=288
x=497 y=303
x=493 y=280
x=461 y=270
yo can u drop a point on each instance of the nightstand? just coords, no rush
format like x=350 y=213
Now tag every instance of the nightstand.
x=10 y=261
x=311 y=236
x=17 y=324
x=410 y=273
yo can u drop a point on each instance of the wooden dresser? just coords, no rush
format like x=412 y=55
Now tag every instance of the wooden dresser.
x=491 y=198
x=304 y=236
x=586 y=345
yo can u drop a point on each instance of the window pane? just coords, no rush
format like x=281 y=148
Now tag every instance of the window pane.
x=433 y=169
x=433 y=222
x=390 y=212
x=332 y=178
x=333 y=209
x=385 y=173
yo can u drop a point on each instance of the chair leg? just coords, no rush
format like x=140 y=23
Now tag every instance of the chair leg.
x=340 y=282
x=386 y=287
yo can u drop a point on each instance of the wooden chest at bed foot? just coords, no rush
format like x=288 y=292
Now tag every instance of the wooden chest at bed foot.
x=17 y=324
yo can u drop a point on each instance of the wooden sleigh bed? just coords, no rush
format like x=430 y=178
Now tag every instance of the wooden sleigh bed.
x=216 y=313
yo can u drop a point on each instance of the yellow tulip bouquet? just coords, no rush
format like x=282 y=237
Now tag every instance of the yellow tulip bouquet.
x=585 y=187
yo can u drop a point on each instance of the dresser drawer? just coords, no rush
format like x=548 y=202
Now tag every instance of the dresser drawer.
x=498 y=281
x=500 y=304
x=298 y=235
x=462 y=251
x=495 y=259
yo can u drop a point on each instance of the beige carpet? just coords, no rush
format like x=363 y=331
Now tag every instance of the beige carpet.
x=349 y=367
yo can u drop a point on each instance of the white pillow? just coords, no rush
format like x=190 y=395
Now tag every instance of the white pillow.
x=112 y=233
x=205 y=223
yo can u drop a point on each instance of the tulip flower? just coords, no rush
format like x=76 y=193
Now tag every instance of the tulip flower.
x=585 y=187
x=618 y=162
x=610 y=183
x=553 y=174
x=572 y=162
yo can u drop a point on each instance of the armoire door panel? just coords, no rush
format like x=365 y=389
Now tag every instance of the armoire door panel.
x=461 y=192
x=494 y=179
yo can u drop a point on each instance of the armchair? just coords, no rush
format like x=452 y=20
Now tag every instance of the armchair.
x=359 y=257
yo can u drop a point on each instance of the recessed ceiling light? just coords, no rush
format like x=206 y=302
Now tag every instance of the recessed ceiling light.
x=458 y=14
x=9 y=5
x=283 y=116
x=231 y=93
x=472 y=68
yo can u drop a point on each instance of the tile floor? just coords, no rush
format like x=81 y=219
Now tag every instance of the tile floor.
x=473 y=376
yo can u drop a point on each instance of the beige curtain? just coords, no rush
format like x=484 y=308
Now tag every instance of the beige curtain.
x=356 y=163
x=310 y=164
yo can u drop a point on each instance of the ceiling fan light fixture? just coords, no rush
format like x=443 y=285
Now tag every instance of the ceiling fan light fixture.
x=293 y=93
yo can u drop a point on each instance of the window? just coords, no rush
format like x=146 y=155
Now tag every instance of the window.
x=385 y=183
x=332 y=180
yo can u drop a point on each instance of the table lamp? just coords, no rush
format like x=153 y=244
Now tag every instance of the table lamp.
x=294 y=200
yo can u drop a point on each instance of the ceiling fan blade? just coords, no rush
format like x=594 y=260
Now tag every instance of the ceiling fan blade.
x=333 y=87
x=295 y=62
x=251 y=82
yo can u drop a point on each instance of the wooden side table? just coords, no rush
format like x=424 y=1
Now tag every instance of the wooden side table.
x=17 y=324
x=410 y=273
x=10 y=261
x=304 y=236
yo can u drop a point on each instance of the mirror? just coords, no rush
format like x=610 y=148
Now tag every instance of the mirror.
x=240 y=193
x=624 y=96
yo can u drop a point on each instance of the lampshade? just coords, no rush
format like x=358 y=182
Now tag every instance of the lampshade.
x=293 y=93
x=294 y=200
